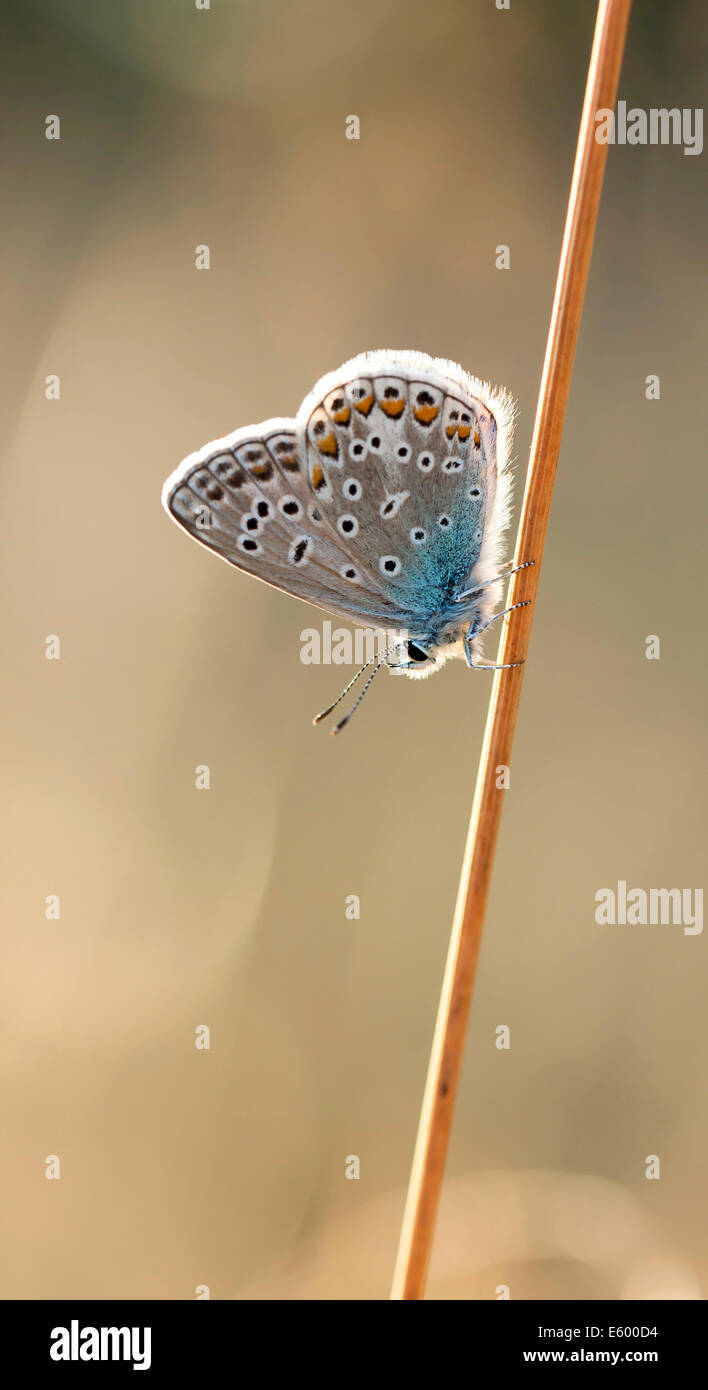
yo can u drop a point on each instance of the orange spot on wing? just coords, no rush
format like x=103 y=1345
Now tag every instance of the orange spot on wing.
x=364 y=406
x=341 y=417
x=464 y=431
x=317 y=476
x=426 y=413
x=328 y=445
x=477 y=438
x=451 y=431
x=394 y=409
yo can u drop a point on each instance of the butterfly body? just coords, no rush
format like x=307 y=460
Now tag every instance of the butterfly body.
x=384 y=501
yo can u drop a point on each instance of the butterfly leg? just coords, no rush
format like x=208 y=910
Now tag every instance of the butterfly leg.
x=503 y=666
x=470 y=635
x=462 y=598
x=524 y=604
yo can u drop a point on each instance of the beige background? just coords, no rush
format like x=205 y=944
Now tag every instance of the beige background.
x=226 y=907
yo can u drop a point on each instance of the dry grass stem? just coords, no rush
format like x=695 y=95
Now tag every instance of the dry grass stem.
x=439 y=1097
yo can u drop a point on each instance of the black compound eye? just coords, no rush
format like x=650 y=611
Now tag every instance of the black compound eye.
x=416 y=653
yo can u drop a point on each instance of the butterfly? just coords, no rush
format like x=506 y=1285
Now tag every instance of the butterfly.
x=384 y=501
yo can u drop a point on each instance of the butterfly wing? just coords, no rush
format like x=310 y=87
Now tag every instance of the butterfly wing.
x=408 y=458
x=386 y=496
x=248 y=498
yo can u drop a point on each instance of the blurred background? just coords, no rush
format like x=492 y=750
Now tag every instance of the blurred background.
x=183 y=1167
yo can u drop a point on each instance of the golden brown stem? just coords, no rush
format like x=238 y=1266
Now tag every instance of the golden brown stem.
x=441 y=1085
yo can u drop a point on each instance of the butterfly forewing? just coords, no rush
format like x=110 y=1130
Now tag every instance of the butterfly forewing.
x=407 y=476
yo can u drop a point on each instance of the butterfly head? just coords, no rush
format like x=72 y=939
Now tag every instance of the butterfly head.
x=419 y=656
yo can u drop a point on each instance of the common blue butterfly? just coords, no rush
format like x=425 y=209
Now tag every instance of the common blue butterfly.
x=384 y=501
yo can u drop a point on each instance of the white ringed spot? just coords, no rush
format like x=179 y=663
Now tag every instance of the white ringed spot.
x=390 y=565
x=289 y=506
x=249 y=545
